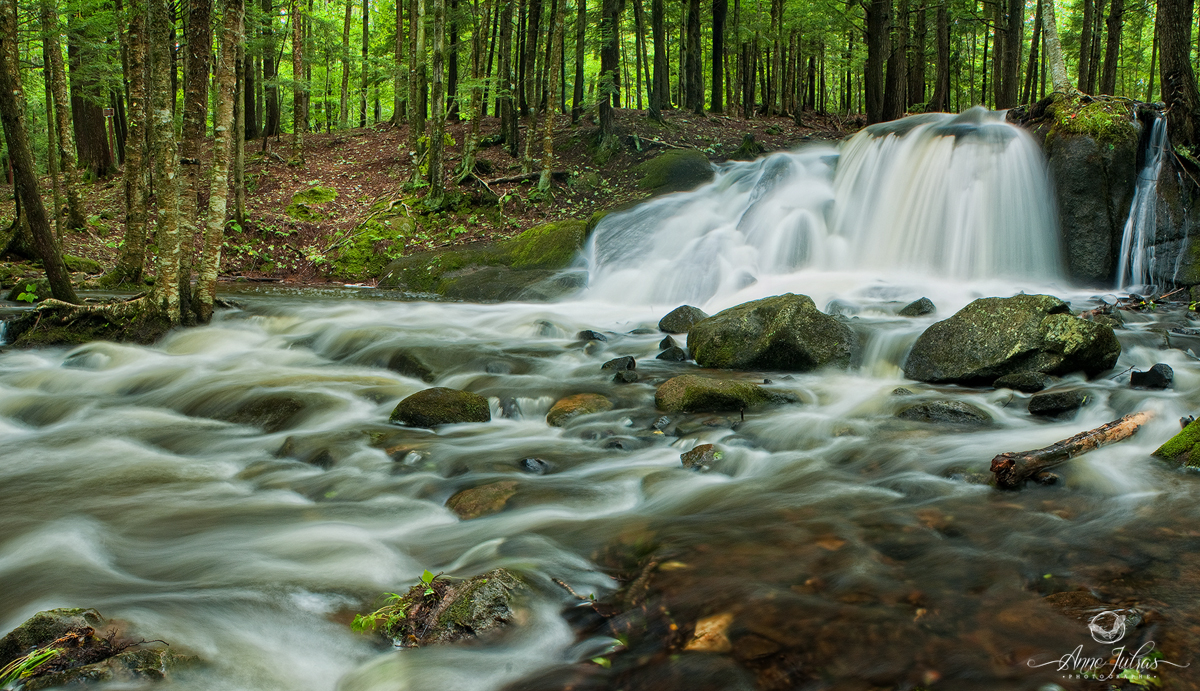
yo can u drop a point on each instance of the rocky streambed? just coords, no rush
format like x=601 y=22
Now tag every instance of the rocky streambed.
x=559 y=496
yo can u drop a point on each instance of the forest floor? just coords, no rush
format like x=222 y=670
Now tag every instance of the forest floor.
x=369 y=167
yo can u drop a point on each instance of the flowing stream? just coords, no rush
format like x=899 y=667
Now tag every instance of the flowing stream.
x=830 y=528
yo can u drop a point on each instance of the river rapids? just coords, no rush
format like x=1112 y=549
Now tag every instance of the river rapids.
x=849 y=547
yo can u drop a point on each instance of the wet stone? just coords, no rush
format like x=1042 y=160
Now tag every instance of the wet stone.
x=681 y=319
x=701 y=458
x=1159 y=376
x=569 y=408
x=667 y=343
x=673 y=354
x=949 y=412
x=441 y=406
x=620 y=364
x=625 y=377
x=918 y=308
x=589 y=335
x=535 y=466
x=901 y=391
x=1025 y=382
x=482 y=500
x=1057 y=403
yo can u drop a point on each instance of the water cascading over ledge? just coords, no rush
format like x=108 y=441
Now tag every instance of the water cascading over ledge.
x=962 y=197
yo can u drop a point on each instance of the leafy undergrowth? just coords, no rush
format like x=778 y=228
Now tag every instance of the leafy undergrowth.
x=375 y=216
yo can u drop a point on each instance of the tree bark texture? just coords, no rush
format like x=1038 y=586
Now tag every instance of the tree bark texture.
x=164 y=151
x=64 y=137
x=1012 y=469
x=133 y=252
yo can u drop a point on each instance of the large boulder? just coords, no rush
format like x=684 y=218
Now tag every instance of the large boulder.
x=691 y=393
x=946 y=412
x=681 y=319
x=674 y=171
x=441 y=406
x=992 y=337
x=1183 y=448
x=784 y=332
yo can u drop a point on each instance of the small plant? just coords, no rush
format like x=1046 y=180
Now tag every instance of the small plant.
x=394 y=609
x=427 y=578
x=28 y=295
x=24 y=667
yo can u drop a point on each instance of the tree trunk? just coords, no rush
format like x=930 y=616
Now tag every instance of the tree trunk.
x=662 y=70
x=52 y=156
x=1097 y=35
x=529 y=55
x=65 y=139
x=249 y=113
x=720 y=7
x=879 y=25
x=224 y=134
x=1058 y=68
x=344 y=104
x=366 y=42
x=897 y=67
x=580 y=37
x=1031 y=71
x=400 y=80
x=438 y=105
x=1112 y=51
x=695 y=78
x=506 y=87
x=917 y=59
x=164 y=152
x=299 y=87
x=271 y=117
x=1085 y=44
x=24 y=175
x=478 y=48
x=133 y=252
x=1174 y=28
x=1013 y=38
x=416 y=84
x=87 y=112
x=198 y=34
x=239 y=129
x=609 y=65
x=556 y=34
x=452 y=63
x=940 y=101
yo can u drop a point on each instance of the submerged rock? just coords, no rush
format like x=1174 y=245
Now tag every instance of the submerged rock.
x=784 y=332
x=918 y=308
x=482 y=500
x=589 y=335
x=620 y=364
x=1182 y=449
x=1057 y=403
x=441 y=610
x=441 y=406
x=701 y=458
x=536 y=466
x=625 y=377
x=87 y=648
x=673 y=354
x=946 y=412
x=691 y=393
x=272 y=413
x=992 y=337
x=680 y=320
x=571 y=407
x=1025 y=382
x=1159 y=376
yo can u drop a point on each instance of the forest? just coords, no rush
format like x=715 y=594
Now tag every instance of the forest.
x=184 y=92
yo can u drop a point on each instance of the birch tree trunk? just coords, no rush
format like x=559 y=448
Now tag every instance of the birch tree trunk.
x=133 y=253
x=552 y=88
x=1054 y=56
x=164 y=151
x=344 y=113
x=223 y=128
x=197 y=59
x=299 y=87
x=437 y=133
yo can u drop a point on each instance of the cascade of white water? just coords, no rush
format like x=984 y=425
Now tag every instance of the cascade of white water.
x=1137 y=262
x=954 y=196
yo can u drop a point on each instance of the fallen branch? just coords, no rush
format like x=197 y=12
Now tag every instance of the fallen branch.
x=1012 y=469
x=556 y=174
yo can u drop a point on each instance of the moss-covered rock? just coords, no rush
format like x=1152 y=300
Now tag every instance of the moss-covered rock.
x=306 y=204
x=373 y=245
x=548 y=246
x=691 y=393
x=681 y=319
x=701 y=458
x=272 y=412
x=40 y=291
x=945 y=412
x=441 y=406
x=675 y=170
x=88 y=266
x=445 y=610
x=136 y=666
x=992 y=337
x=493 y=284
x=483 y=500
x=56 y=326
x=1025 y=382
x=1183 y=448
x=571 y=407
x=44 y=627
x=784 y=332
x=1056 y=404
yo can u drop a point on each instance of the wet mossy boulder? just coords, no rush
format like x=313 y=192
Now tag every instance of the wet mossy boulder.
x=784 y=332
x=571 y=407
x=1183 y=448
x=87 y=266
x=675 y=170
x=918 y=308
x=945 y=412
x=548 y=246
x=483 y=500
x=81 y=647
x=502 y=284
x=372 y=245
x=993 y=337
x=1057 y=404
x=60 y=325
x=681 y=319
x=272 y=413
x=424 y=272
x=441 y=406
x=306 y=205
x=441 y=610
x=701 y=458
x=40 y=291
x=692 y=393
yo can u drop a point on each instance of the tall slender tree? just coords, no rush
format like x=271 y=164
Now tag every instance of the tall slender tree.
x=344 y=110
x=133 y=250
x=1112 y=50
x=720 y=7
x=580 y=35
x=438 y=106
x=164 y=151
x=299 y=85
x=64 y=139
x=558 y=20
x=1174 y=28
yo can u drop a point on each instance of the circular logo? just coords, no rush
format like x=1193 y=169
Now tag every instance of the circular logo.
x=1107 y=627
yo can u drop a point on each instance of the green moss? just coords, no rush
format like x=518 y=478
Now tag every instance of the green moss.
x=594 y=221
x=1105 y=121
x=83 y=264
x=694 y=394
x=423 y=272
x=43 y=328
x=548 y=246
x=1181 y=447
x=305 y=204
x=371 y=246
x=677 y=169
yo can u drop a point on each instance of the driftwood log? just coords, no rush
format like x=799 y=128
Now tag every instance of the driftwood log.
x=1012 y=469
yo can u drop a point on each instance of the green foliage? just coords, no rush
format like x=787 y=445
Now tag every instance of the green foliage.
x=1105 y=121
x=395 y=608
x=24 y=666
x=29 y=295
x=1139 y=678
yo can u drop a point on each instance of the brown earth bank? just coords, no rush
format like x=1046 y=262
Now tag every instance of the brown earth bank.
x=370 y=168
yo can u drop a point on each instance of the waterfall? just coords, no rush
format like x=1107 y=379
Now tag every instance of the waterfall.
x=1136 y=266
x=954 y=196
